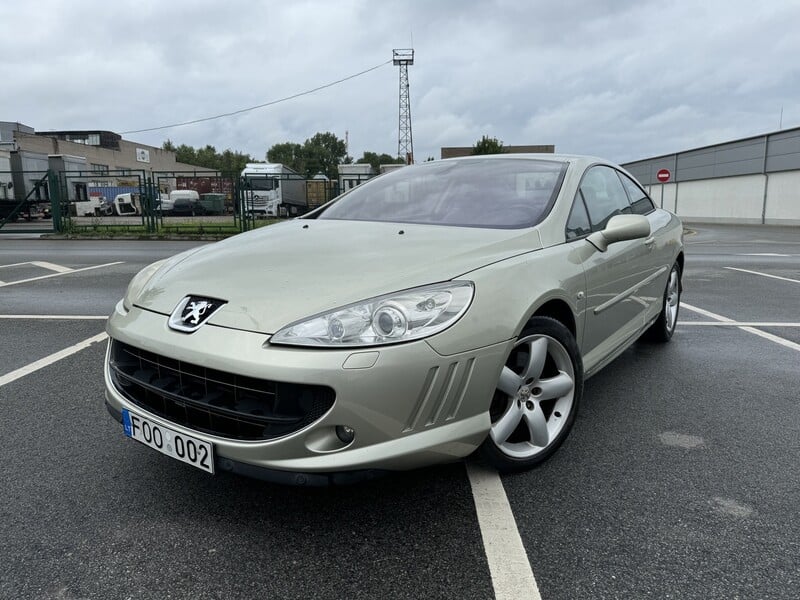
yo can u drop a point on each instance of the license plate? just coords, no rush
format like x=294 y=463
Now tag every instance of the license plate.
x=179 y=446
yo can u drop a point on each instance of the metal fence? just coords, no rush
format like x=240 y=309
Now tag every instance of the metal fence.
x=25 y=202
x=149 y=202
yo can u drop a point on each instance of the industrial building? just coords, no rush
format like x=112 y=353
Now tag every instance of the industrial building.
x=458 y=151
x=750 y=180
x=103 y=159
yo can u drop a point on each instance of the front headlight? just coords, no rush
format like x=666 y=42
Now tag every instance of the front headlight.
x=390 y=319
x=138 y=282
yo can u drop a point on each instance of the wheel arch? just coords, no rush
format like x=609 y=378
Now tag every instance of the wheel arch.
x=560 y=310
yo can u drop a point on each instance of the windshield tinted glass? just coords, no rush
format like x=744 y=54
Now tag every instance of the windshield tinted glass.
x=494 y=193
x=260 y=183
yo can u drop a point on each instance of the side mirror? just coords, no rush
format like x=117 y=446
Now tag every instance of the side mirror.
x=618 y=229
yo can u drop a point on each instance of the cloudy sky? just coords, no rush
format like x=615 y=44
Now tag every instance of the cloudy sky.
x=615 y=78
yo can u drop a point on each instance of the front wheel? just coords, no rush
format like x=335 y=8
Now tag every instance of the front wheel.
x=664 y=326
x=537 y=397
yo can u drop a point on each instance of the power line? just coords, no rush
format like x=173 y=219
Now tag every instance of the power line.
x=270 y=103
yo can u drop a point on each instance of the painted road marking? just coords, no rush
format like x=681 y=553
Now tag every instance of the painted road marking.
x=119 y=262
x=51 y=266
x=49 y=360
x=758 y=332
x=42 y=265
x=58 y=317
x=737 y=324
x=768 y=254
x=763 y=274
x=512 y=576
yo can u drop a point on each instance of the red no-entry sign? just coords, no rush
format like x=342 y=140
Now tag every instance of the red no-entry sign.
x=663 y=175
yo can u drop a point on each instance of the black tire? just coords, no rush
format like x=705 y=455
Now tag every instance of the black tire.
x=546 y=365
x=662 y=330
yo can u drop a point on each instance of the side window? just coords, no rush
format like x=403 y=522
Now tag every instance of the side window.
x=604 y=196
x=578 y=223
x=640 y=202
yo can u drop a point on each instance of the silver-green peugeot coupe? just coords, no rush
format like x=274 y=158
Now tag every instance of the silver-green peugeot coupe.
x=434 y=311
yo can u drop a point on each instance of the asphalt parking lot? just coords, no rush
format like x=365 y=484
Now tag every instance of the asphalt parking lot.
x=681 y=478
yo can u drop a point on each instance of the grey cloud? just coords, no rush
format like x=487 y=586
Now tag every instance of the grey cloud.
x=623 y=79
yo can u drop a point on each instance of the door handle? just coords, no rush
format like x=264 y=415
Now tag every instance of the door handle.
x=650 y=241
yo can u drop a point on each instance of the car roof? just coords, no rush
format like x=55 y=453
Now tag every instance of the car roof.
x=576 y=159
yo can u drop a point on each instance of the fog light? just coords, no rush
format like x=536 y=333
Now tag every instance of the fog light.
x=345 y=434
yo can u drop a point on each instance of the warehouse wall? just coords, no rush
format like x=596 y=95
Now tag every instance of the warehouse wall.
x=772 y=198
x=127 y=157
x=663 y=195
x=754 y=180
x=783 y=198
x=727 y=199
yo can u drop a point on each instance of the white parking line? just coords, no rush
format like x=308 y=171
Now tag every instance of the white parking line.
x=58 y=317
x=737 y=324
x=512 y=576
x=763 y=274
x=41 y=264
x=49 y=360
x=758 y=332
x=119 y=262
x=51 y=266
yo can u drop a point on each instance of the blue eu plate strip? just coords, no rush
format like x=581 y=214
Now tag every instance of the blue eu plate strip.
x=126 y=422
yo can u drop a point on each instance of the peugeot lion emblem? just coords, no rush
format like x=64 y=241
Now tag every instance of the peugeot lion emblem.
x=192 y=312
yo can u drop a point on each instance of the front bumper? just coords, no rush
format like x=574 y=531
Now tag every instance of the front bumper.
x=408 y=405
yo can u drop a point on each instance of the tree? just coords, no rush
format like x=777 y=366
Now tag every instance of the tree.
x=322 y=153
x=229 y=162
x=207 y=157
x=376 y=160
x=187 y=154
x=289 y=154
x=487 y=145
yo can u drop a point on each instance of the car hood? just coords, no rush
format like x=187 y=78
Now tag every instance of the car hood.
x=279 y=274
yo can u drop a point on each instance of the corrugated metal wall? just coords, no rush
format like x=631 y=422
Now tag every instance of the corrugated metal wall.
x=769 y=153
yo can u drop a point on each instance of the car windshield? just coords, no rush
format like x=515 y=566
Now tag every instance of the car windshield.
x=496 y=193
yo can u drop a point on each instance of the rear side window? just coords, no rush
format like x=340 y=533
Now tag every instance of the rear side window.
x=640 y=202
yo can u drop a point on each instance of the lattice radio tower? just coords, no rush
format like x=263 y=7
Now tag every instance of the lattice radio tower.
x=405 y=141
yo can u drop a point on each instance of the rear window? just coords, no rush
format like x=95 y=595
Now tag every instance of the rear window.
x=494 y=193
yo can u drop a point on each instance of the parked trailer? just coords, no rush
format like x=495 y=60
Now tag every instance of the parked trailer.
x=320 y=191
x=273 y=189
